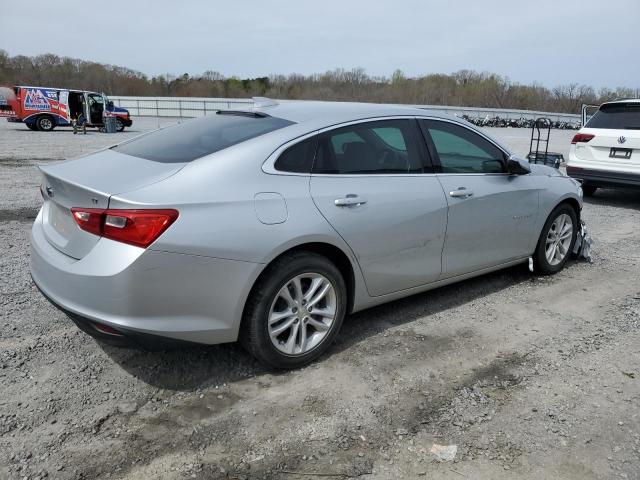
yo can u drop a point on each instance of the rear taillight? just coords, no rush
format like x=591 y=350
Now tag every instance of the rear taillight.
x=135 y=227
x=581 y=138
x=89 y=219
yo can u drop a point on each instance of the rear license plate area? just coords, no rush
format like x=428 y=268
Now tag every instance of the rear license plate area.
x=623 y=153
x=60 y=219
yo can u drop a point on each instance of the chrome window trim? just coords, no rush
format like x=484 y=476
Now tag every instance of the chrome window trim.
x=268 y=166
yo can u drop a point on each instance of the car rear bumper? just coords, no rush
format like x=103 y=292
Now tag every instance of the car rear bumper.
x=604 y=178
x=119 y=337
x=141 y=292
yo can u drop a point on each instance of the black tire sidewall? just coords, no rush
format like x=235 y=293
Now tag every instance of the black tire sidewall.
x=543 y=266
x=119 y=125
x=254 y=334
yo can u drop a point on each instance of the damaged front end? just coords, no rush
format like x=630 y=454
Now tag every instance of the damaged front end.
x=582 y=247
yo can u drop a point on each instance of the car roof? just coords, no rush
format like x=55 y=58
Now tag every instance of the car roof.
x=622 y=100
x=319 y=114
x=310 y=115
x=57 y=88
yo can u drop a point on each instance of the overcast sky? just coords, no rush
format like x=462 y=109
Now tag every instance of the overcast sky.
x=596 y=42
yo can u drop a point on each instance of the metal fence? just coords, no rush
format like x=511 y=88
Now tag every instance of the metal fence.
x=508 y=114
x=186 y=107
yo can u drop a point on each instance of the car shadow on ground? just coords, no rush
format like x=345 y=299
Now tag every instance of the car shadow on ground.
x=623 y=198
x=189 y=369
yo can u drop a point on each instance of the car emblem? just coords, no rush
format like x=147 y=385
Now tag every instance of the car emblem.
x=50 y=192
x=622 y=139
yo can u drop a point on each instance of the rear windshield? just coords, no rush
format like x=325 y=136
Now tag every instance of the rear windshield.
x=197 y=138
x=619 y=116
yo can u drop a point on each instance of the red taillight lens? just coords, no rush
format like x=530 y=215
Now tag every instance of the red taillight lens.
x=89 y=219
x=581 y=138
x=135 y=227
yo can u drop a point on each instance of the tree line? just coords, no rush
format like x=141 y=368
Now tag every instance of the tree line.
x=463 y=88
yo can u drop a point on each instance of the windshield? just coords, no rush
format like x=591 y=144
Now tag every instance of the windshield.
x=619 y=116
x=197 y=138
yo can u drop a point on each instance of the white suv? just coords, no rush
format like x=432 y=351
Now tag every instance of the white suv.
x=606 y=151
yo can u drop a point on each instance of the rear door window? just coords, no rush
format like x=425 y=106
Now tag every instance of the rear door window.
x=197 y=138
x=378 y=147
x=618 y=116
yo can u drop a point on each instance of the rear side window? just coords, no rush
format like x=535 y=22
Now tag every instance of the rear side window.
x=298 y=158
x=197 y=138
x=619 y=116
x=461 y=150
x=379 y=147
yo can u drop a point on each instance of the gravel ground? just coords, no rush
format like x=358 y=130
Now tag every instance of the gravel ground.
x=530 y=377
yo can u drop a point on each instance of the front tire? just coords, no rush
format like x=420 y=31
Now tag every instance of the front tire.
x=45 y=123
x=556 y=240
x=119 y=125
x=294 y=311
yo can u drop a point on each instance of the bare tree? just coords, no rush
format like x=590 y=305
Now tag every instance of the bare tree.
x=462 y=88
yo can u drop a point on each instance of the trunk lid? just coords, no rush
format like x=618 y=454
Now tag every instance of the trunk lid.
x=90 y=182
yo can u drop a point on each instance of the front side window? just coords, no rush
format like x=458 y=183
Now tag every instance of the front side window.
x=461 y=150
x=379 y=147
x=95 y=99
x=618 y=116
x=196 y=138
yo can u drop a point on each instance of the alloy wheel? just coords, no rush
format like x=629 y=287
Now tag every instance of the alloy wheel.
x=559 y=239
x=302 y=314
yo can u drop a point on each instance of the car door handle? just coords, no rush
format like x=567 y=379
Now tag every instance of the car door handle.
x=461 y=192
x=350 y=200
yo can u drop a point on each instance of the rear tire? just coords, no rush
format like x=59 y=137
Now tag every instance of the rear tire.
x=45 y=123
x=287 y=322
x=556 y=240
x=589 y=190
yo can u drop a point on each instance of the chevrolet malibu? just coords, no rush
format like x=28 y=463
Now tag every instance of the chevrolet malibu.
x=269 y=226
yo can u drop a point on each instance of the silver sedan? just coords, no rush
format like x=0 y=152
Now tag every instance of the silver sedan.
x=270 y=225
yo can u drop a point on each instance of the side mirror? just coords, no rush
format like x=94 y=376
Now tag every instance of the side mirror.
x=517 y=166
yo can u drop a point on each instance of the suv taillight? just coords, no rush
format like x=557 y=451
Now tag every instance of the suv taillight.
x=135 y=227
x=581 y=138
